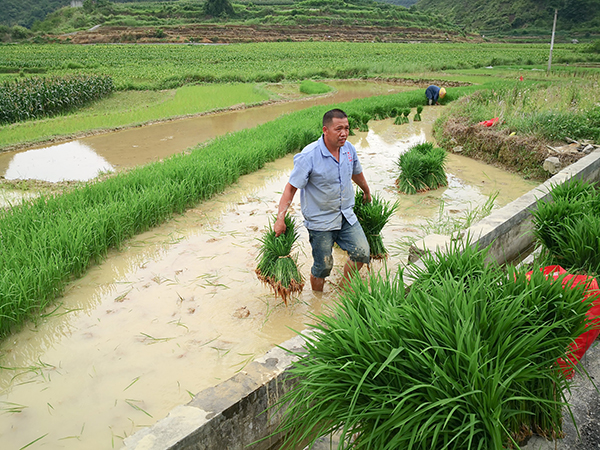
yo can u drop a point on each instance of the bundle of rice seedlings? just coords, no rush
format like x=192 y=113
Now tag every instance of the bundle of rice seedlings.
x=569 y=227
x=403 y=117
x=417 y=116
x=422 y=168
x=276 y=265
x=364 y=123
x=463 y=362
x=373 y=217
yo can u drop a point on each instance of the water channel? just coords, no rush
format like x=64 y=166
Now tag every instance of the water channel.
x=179 y=308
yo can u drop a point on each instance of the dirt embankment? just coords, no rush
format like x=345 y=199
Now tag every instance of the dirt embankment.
x=521 y=154
x=225 y=34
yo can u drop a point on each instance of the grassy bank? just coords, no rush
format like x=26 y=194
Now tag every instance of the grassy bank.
x=48 y=241
x=531 y=116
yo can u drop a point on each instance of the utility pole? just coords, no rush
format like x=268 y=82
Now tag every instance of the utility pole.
x=552 y=42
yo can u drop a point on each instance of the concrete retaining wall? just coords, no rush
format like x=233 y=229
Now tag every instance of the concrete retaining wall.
x=235 y=414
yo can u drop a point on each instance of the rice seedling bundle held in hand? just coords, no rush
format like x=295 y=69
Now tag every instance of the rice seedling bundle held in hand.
x=277 y=267
x=373 y=216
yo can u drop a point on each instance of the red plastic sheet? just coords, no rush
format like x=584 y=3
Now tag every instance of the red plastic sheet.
x=489 y=123
x=585 y=340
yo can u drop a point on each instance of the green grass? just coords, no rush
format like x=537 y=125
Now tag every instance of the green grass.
x=567 y=107
x=130 y=108
x=313 y=87
x=467 y=359
x=568 y=228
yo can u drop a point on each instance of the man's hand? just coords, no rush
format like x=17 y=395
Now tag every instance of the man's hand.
x=367 y=197
x=279 y=226
x=286 y=200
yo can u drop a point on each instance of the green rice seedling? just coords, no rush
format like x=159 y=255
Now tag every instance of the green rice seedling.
x=568 y=227
x=417 y=116
x=277 y=267
x=402 y=116
x=364 y=123
x=422 y=168
x=313 y=87
x=462 y=362
x=379 y=113
x=373 y=216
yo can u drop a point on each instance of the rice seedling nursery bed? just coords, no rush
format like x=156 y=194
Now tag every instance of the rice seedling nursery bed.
x=47 y=241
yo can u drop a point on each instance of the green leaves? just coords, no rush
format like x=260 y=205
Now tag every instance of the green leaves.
x=33 y=98
x=465 y=360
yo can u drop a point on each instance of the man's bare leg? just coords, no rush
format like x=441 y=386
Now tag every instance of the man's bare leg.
x=316 y=283
x=349 y=268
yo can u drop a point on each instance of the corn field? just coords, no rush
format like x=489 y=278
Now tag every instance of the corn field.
x=36 y=97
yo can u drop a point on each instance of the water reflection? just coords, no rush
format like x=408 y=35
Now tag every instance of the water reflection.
x=72 y=161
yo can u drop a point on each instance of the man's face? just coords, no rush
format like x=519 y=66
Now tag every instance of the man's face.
x=336 y=133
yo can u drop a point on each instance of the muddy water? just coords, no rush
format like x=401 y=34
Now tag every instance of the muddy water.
x=179 y=309
x=84 y=159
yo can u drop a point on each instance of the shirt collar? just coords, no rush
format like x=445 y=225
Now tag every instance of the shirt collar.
x=325 y=151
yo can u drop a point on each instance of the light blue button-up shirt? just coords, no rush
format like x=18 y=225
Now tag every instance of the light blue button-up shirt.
x=326 y=192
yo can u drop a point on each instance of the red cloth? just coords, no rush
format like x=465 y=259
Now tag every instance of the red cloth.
x=489 y=123
x=585 y=340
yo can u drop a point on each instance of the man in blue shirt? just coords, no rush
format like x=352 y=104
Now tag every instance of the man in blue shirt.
x=433 y=93
x=324 y=172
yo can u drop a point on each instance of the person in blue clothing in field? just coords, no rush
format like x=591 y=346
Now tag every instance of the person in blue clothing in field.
x=434 y=93
x=324 y=172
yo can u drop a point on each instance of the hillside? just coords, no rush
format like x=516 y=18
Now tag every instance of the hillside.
x=519 y=17
x=244 y=21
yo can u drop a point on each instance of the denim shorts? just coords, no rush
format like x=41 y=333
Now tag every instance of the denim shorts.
x=351 y=238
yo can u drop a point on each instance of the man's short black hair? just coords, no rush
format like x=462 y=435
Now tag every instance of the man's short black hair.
x=330 y=115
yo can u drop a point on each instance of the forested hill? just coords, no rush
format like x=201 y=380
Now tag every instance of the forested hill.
x=518 y=16
x=26 y=12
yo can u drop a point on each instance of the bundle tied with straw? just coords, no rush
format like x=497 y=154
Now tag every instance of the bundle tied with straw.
x=276 y=265
x=373 y=217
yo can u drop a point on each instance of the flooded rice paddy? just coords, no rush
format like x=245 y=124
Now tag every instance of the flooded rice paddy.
x=85 y=158
x=179 y=309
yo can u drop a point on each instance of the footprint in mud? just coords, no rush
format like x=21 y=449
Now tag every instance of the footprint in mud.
x=241 y=313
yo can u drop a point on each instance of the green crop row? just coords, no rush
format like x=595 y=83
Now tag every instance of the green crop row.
x=32 y=98
x=46 y=242
x=168 y=66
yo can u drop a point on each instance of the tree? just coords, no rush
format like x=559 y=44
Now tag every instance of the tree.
x=218 y=8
